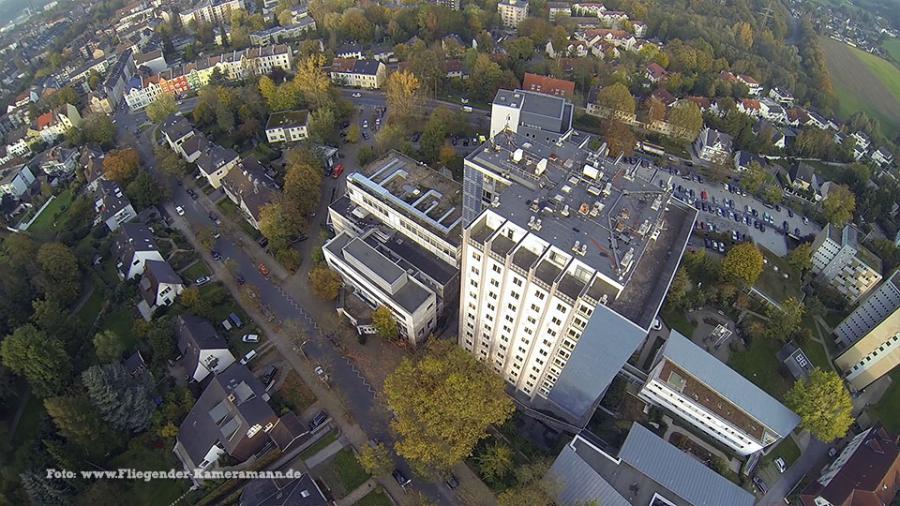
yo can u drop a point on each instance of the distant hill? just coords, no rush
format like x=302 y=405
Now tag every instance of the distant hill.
x=9 y=9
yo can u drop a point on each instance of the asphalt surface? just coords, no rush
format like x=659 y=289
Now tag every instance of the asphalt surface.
x=812 y=459
x=357 y=395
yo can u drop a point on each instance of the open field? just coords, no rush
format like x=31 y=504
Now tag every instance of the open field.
x=892 y=46
x=864 y=82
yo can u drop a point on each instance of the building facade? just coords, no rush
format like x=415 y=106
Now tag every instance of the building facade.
x=355 y=73
x=538 y=116
x=287 y=126
x=845 y=264
x=512 y=12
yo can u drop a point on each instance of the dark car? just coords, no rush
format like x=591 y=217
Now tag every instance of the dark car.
x=240 y=279
x=216 y=255
x=784 y=226
x=401 y=478
x=192 y=194
x=235 y=320
x=451 y=481
x=317 y=420
x=263 y=242
x=268 y=377
x=790 y=213
x=707 y=242
x=797 y=232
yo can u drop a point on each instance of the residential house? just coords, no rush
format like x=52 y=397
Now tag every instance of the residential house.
x=358 y=73
x=655 y=73
x=588 y=9
x=750 y=107
x=134 y=246
x=153 y=61
x=708 y=395
x=16 y=181
x=112 y=206
x=549 y=86
x=302 y=491
x=203 y=351
x=248 y=186
x=176 y=129
x=803 y=177
x=59 y=161
x=640 y=29
x=232 y=417
x=753 y=86
x=743 y=159
x=215 y=162
x=91 y=163
x=782 y=96
x=844 y=263
x=867 y=472
x=287 y=126
x=713 y=145
x=882 y=157
x=159 y=286
x=512 y=12
x=193 y=147
x=556 y=9
x=772 y=111
x=646 y=470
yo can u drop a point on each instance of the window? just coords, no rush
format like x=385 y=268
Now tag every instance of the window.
x=562 y=309
x=494 y=282
x=515 y=295
x=517 y=281
x=535 y=308
x=539 y=294
x=496 y=268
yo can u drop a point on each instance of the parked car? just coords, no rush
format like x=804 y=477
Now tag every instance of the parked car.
x=760 y=485
x=235 y=320
x=320 y=372
x=216 y=255
x=451 y=481
x=250 y=338
x=268 y=377
x=338 y=170
x=779 y=463
x=721 y=247
x=263 y=269
x=240 y=279
x=401 y=478
x=179 y=210
x=317 y=420
x=248 y=357
x=226 y=324
x=357 y=94
x=202 y=280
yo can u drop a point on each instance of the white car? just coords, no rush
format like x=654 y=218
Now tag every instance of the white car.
x=202 y=280
x=248 y=357
x=179 y=210
x=779 y=463
x=320 y=373
x=250 y=338
x=657 y=325
x=357 y=95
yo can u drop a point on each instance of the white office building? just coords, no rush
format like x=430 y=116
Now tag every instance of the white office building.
x=707 y=394
x=544 y=118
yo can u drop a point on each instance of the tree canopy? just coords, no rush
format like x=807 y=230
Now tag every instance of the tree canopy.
x=161 y=108
x=823 y=403
x=121 y=165
x=743 y=263
x=384 y=322
x=43 y=361
x=839 y=205
x=326 y=283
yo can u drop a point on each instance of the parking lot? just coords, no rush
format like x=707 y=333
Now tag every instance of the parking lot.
x=727 y=210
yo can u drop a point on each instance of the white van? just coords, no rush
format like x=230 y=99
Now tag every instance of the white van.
x=467 y=108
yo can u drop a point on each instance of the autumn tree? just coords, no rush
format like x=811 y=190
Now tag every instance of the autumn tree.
x=375 y=459
x=402 y=90
x=170 y=162
x=617 y=99
x=443 y=404
x=656 y=110
x=283 y=97
x=384 y=322
x=686 y=117
x=326 y=283
x=108 y=346
x=823 y=404
x=42 y=360
x=839 y=205
x=800 y=257
x=532 y=487
x=312 y=81
x=496 y=462
x=121 y=165
x=302 y=182
x=277 y=225
x=784 y=321
x=161 y=108
x=619 y=138
x=60 y=275
x=743 y=263
x=354 y=134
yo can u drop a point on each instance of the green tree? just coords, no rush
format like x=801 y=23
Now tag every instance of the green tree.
x=276 y=225
x=312 y=81
x=375 y=459
x=800 y=257
x=496 y=462
x=323 y=126
x=80 y=423
x=60 y=275
x=743 y=263
x=686 y=117
x=302 y=182
x=484 y=77
x=53 y=319
x=823 y=404
x=839 y=205
x=616 y=98
x=144 y=191
x=161 y=108
x=784 y=321
x=354 y=134
x=326 y=283
x=170 y=162
x=123 y=400
x=98 y=128
x=443 y=404
x=531 y=488
x=384 y=322
x=108 y=346
x=754 y=178
x=45 y=491
x=43 y=361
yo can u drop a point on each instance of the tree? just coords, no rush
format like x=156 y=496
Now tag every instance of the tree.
x=375 y=459
x=784 y=321
x=276 y=225
x=161 y=108
x=282 y=97
x=144 y=191
x=108 y=346
x=754 y=178
x=484 y=77
x=43 y=361
x=302 y=183
x=443 y=404
x=170 y=162
x=402 y=90
x=98 y=128
x=686 y=117
x=354 y=133
x=496 y=462
x=384 y=322
x=121 y=165
x=800 y=257
x=743 y=263
x=326 y=283
x=619 y=138
x=839 y=205
x=823 y=404
x=312 y=81
x=52 y=318
x=60 y=275
x=656 y=110
x=123 y=400
x=531 y=488
x=617 y=99
x=323 y=126
x=80 y=422
x=45 y=491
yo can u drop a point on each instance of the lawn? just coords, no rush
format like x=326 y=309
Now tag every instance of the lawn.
x=294 y=394
x=121 y=322
x=812 y=348
x=678 y=320
x=786 y=450
x=44 y=224
x=887 y=411
x=892 y=46
x=155 y=492
x=326 y=440
x=197 y=270
x=93 y=305
x=758 y=364
x=376 y=497
x=772 y=281
x=342 y=473
x=864 y=82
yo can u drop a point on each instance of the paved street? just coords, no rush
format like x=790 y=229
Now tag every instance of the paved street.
x=814 y=456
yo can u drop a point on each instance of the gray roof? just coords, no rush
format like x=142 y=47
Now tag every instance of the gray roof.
x=215 y=157
x=366 y=67
x=796 y=361
x=161 y=272
x=580 y=483
x=378 y=263
x=729 y=384
x=679 y=472
x=176 y=127
x=302 y=491
x=195 y=334
x=114 y=199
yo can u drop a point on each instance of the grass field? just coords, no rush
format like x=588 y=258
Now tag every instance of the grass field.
x=376 y=497
x=343 y=473
x=759 y=365
x=892 y=46
x=864 y=82
x=887 y=411
x=45 y=225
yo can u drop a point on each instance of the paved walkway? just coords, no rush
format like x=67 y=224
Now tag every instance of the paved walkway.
x=360 y=492
x=325 y=453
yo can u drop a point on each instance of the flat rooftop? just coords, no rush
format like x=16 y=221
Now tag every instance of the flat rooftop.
x=287 y=119
x=632 y=232
x=416 y=191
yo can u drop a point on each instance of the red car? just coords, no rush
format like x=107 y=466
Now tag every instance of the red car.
x=263 y=270
x=338 y=171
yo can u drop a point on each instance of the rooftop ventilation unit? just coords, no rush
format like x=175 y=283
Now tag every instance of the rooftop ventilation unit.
x=607 y=190
x=534 y=223
x=595 y=211
x=565 y=210
x=495 y=201
x=541 y=167
x=517 y=155
x=591 y=171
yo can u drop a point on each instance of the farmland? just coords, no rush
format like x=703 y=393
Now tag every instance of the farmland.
x=892 y=46
x=864 y=82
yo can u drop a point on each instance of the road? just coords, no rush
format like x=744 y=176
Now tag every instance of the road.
x=281 y=297
x=813 y=458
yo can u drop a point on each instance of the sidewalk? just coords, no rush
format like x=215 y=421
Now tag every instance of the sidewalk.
x=325 y=453
x=360 y=492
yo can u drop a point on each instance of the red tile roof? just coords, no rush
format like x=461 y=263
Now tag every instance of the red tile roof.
x=549 y=85
x=656 y=71
x=44 y=120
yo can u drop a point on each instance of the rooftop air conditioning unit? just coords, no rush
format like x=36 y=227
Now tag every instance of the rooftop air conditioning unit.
x=518 y=154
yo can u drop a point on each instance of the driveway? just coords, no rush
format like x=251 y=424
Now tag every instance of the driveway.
x=813 y=457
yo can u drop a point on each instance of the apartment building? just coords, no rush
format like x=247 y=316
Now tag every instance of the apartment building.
x=216 y=12
x=713 y=146
x=537 y=116
x=845 y=264
x=410 y=215
x=871 y=334
x=710 y=396
x=287 y=126
x=512 y=12
x=16 y=180
x=280 y=34
x=450 y=4
x=358 y=73
x=567 y=256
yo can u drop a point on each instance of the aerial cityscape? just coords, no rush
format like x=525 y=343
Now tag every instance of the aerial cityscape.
x=450 y=252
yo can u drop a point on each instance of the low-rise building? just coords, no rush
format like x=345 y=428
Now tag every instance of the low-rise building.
x=803 y=177
x=782 y=96
x=59 y=161
x=713 y=145
x=134 y=246
x=845 y=264
x=159 y=286
x=154 y=60
x=287 y=126
x=302 y=491
x=16 y=181
x=203 y=351
x=512 y=12
x=215 y=162
x=871 y=336
x=280 y=34
x=358 y=73
x=708 y=395
x=542 y=117
x=91 y=163
x=557 y=9
x=112 y=206
x=549 y=86
x=250 y=188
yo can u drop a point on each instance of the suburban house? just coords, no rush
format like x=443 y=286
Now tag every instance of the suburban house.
x=250 y=189
x=803 y=177
x=176 y=129
x=302 y=491
x=358 y=73
x=839 y=258
x=16 y=181
x=215 y=162
x=232 y=416
x=59 y=161
x=280 y=34
x=647 y=470
x=752 y=85
x=91 y=162
x=655 y=73
x=705 y=393
x=159 y=286
x=549 y=85
x=194 y=146
x=882 y=157
x=112 y=206
x=203 y=351
x=134 y=246
x=867 y=472
x=713 y=145
x=782 y=96
x=287 y=126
